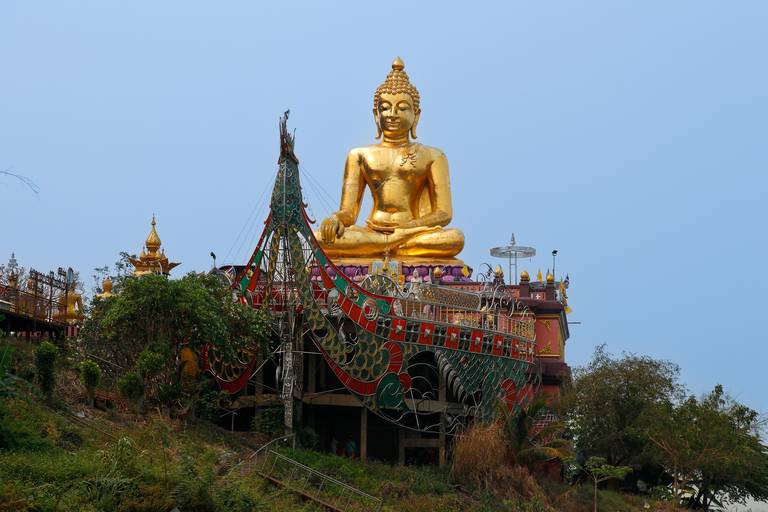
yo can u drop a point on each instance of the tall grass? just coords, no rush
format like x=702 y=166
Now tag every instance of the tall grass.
x=479 y=461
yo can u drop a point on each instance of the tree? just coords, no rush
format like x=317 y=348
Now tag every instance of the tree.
x=529 y=443
x=45 y=366
x=598 y=471
x=711 y=447
x=610 y=403
x=145 y=328
x=90 y=376
x=131 y=385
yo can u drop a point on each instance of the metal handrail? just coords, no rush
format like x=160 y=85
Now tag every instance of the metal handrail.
x=323 y=479
x=252 y=459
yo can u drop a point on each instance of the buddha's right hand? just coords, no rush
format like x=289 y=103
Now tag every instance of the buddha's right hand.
x=331 y=228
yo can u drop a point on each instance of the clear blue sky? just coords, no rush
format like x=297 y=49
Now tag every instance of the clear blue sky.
x=629 y=136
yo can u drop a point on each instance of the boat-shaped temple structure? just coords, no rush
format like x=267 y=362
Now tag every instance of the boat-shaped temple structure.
x=397 y=355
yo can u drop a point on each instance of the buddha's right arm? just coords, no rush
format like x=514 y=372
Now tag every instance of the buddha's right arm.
x=352 y=189
x=351 y=197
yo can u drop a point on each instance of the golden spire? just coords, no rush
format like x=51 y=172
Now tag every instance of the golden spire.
x=153 y=241
x=152 y=259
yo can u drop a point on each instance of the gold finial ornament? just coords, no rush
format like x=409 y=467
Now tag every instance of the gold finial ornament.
x=550 y=277
x=524 y=276
x=409 y=183
x=152 y=259
x=153 y=241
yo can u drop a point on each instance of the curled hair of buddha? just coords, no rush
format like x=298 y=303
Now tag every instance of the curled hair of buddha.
x=397 y=82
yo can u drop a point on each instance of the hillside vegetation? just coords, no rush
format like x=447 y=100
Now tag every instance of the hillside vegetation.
x=62 y=454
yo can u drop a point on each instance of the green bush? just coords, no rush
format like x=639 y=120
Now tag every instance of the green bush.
x=90 y=376
x=208 y=407
x=307 y=438
x=535 y=504
x=270 y=421
x=45 y=365
x=149 y=363
x=131 y=385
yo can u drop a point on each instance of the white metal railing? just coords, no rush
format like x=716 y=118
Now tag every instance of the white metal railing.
x=249 y=463
x=347 y=492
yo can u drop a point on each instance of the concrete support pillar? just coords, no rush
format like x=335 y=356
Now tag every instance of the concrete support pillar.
x=313 y=364
x=401 y=445
x=441 y=447
x=363 y=433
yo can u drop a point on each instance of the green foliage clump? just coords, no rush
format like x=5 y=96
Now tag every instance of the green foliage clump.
x=194 y=488
x=611 y=403
x=270 y=421
x=46 y=355
x=9 y=384
x=711 y=447
x=526 y=444
x=131 y=385
x=535 y=504
x=307 y=438
x=598 y=471
x=114 y=477
x=149 y=363
x=90 y=376
x=210 y=404
x=154 y=319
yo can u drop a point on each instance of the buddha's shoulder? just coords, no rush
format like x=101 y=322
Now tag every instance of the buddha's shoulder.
x=375 y=149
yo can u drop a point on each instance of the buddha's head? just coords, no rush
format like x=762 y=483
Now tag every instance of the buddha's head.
x=396 y=103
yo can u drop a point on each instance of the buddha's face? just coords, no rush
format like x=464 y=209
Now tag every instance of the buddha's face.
x=395 y=114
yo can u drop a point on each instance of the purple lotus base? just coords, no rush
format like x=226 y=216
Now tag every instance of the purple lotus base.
x=358 y=272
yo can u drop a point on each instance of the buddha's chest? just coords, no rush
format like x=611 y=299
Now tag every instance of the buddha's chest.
x=396 y=166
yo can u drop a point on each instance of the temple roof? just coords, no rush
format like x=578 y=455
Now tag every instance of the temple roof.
x=152 y=259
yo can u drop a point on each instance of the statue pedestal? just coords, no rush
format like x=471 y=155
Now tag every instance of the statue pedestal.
x=357 y=269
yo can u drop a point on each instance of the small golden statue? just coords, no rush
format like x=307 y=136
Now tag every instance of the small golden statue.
x=70 y=306
x=107 y=289
x=409 y=183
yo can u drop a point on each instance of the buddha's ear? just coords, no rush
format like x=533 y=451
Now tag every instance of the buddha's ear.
x=378 y=126
x=415 y=122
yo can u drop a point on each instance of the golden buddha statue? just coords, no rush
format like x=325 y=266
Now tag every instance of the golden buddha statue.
x=107 y=289
x=70 y=306
x=409 y=183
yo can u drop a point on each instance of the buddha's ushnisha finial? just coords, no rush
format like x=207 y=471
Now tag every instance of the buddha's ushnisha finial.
x=397 y=82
